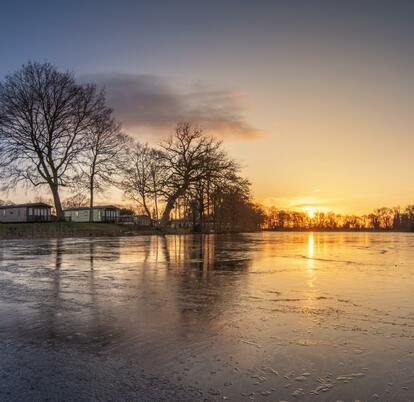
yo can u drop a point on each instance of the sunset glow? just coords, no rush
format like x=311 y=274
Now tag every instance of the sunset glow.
x=310 y=211
x=307 y=122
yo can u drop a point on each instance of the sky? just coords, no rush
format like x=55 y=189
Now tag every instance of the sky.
x=313 y=97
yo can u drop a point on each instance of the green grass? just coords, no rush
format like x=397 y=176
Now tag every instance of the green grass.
x=33 y=230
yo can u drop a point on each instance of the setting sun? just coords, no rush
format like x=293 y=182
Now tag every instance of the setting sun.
x=311 y=211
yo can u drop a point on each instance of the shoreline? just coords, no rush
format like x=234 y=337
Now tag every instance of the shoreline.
x=54 y=230
x=60 y=230
x=46 y=230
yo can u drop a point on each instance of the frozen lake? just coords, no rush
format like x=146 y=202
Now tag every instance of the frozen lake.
x=266 y=316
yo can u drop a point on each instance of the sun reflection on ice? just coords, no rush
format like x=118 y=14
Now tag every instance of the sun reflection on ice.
x=311 y=249
x=311 y=262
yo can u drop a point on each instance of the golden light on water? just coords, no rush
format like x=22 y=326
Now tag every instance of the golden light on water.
x=311 y=250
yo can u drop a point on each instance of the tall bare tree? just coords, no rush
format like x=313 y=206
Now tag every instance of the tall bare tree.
x=44 y=117
x=101 y=156
x=220 y=172
x=185 y=160
x=142 y=177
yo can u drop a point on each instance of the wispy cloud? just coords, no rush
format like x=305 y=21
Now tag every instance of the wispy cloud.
x=150 y=105
x=298 y=202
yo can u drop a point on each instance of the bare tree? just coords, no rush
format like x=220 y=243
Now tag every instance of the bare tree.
x=192 y=176
x=220 y=172
x=142 y=176
x=185 y=159
x=102 y=155
x=44 y=116
x=157 y=180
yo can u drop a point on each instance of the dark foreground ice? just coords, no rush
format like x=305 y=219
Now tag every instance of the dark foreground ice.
x=263 y=317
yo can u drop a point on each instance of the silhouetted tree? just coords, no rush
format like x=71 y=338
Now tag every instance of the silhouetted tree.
x=101 y=156
x=234 y=210
x=44 y=117
x=220 y=173
x=184 y=157
x=143 y=177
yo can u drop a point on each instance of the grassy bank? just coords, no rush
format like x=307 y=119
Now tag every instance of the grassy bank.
x=66 y=229
x=70 y=229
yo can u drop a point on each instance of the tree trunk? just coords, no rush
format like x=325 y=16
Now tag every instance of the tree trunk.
x=193 y=213
x=155 y=198
x=91 y=202
x=169 y=207
x=148 y=212
x=156 y=207
x=60 y=216
x=201 y=211
x=201 y=217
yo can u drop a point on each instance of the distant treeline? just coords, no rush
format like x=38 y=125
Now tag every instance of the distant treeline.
x=397 y=218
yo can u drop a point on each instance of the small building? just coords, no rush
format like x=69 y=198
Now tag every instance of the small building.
x=21 y=213
x=101 y=213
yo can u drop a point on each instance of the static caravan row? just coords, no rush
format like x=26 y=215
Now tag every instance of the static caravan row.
x=40 y=212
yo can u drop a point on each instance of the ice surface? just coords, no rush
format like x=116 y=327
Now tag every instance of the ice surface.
x=265 y=316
